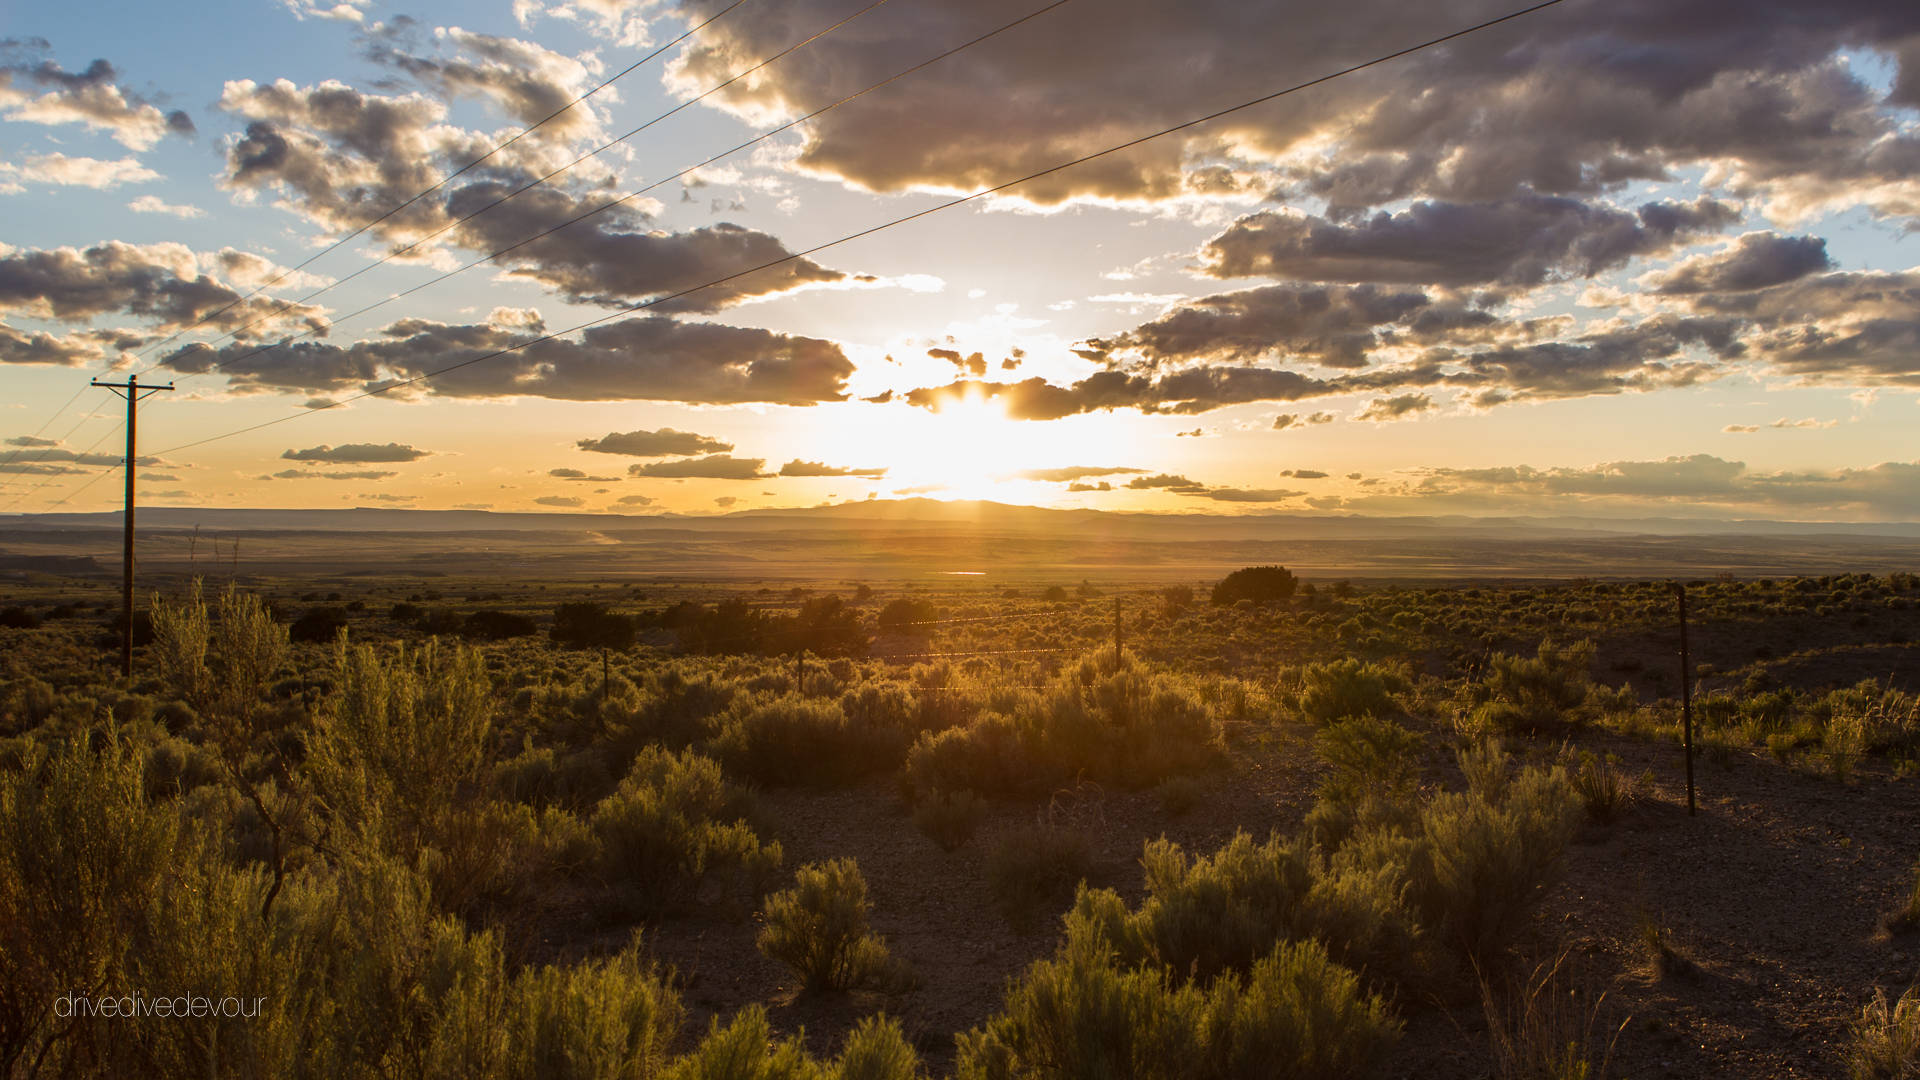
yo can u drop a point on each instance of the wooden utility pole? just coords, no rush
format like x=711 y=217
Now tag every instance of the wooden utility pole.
x=1686 y=693
x=134 y=393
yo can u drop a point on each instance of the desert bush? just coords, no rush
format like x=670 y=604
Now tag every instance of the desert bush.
x=1886 y=1038
x=1368 y=757
x=1524 y=694
x=1077 y=1015
x=1487 y=861
x=949 y=819
x=490 y=625
x=1035 y=866
x=818 y=928
x=745 y=1049
x=673 y=824
x=800 y=740
x=1339 y=689
x=585 y=625
x=1260 y=584
x=1603 y=789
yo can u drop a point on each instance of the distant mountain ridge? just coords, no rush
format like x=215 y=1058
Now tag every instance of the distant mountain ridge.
x=914 y=514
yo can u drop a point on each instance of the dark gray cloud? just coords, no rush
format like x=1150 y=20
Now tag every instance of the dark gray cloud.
x=357 y=453
x=1757 y=261
x=1571 y=101
x=1248 y=495
x=38 y=90
x=576 y=476
x=343 y=158
x=797 y=467
x=1521 y=241
x=564 y=502
x=160 y=283
x=711 y=467
x=647 y=358
x=63 y=350
x=665 y=442
x=525 y=80
x=1330 y=325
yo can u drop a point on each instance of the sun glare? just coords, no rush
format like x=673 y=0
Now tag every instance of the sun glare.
x=970 y=449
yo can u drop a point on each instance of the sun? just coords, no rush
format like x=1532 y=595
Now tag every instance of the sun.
x=969 y=448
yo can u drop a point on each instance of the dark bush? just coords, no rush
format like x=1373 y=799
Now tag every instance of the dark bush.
x=318 y=626
x=900 y=615
x=496 y=626
x=1260 y=584
x=591 y=626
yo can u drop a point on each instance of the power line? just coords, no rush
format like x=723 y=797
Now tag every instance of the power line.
x=288 y=305
x=629 y=196
x=442 y=182
x=916 y=215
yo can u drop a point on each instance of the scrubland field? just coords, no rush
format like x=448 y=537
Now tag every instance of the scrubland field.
x=435 y=827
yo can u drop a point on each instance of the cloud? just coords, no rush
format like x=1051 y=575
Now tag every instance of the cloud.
x=576 y=476
x=357 y=474
x=665 y=442
x=1398 y=407
x=563 y=501
x=1291 y=420
x=1520 y=241
x=153 y=204
x=636 y=500
x=1329 y=325
x=31 y=440
x=1568 y=102
x=64 y=171
x=725 y=501
x=357 y=453
x=974 y=364
x=1073 y=472
x=88 y=97
x=525 y=80
x=1101 y=486
x=797 y=467
x=336 y=154
x=647 y=358
x=158 y=282
x=1193 y=390
x=1890 y=490
x=1304 y=474
x=1247 y=495
x=1167 y=481
x=711 y=467
x=64 y=350
x=1756 y=261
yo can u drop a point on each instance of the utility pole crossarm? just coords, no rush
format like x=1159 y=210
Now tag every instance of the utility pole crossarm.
x=134 y=393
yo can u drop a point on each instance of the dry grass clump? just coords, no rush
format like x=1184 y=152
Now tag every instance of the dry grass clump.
x=1886 y=1039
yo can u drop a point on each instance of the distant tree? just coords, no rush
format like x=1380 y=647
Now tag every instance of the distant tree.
x=1259 y=584
x=1054 y=594
x=1176 y=597
x=824 y=626
x=318 y=626
x=586 y=625
x=862 y=593
x=18 y=618
x=1085 y=590
x=900 y=615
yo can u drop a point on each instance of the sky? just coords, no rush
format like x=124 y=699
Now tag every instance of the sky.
x=1608 y=259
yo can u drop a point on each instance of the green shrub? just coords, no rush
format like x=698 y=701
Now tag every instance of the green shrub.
x=1034 y=866
x=800 y=740
x=818 y=928
x=1487 y=862
x=1339 y=689
x=1536 y=693
x=949 y=819
x=1603 y=789
x=1368 y=757
x=673 y=824
x=745 y=1049
x=1077 y=1015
